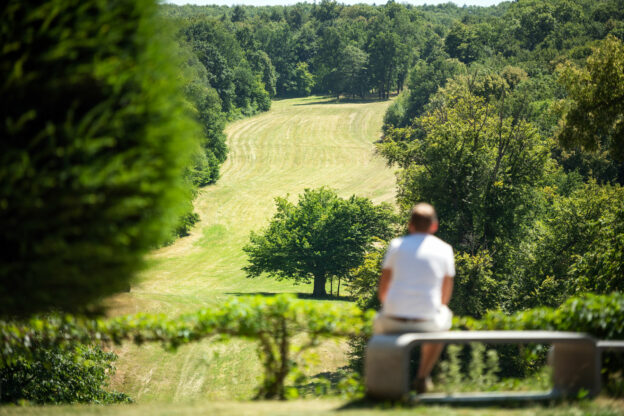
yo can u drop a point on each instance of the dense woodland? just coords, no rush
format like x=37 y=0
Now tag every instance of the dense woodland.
x=508 y=119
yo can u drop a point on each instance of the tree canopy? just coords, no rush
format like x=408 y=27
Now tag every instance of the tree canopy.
x=321 y=236
x=594 y=118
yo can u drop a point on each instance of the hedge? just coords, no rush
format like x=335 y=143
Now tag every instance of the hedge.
x=95 y=138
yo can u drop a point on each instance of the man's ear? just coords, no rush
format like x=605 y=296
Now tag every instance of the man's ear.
x=433 y=228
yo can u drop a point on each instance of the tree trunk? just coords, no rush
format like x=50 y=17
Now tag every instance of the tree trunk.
x=338 y=286
x=331 y=285
x=319 y=287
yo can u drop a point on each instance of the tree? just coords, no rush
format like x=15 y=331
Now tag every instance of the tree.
x=261 y=64
x=329 y=59
x=462 y=43
x=321 y=236
x=536 y=22
x=476 y=165
x=250 y=95
x=239 y=14
x=220 y=74
x=326 y=11
x=280 y=44
x=353 y=68
x=384 y=53
x=595 y=115
x=95 y=137
x=302 y=81
x=424 y=80
x=578 y=247
x=207 y=107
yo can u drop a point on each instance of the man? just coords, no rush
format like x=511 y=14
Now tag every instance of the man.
x=415 y=287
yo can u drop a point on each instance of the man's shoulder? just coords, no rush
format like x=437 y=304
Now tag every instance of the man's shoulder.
x=395 y=242
x=439 y=242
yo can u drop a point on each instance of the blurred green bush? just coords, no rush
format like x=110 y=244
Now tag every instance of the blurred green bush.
x=95 y=136
x=57 y=375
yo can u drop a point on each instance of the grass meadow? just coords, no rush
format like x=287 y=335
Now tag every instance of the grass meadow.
x=300 y=143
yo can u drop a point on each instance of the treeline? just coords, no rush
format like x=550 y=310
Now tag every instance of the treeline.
x=324 y=48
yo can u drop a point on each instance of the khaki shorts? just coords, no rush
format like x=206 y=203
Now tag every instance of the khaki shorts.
x=384 y=324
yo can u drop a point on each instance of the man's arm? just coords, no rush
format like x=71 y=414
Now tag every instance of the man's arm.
x=447 y=289
x=384 y=284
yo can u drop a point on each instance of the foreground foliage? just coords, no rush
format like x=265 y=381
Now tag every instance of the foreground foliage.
x=599 y=315
x=271 y=321
x=95 y=138
x=77 y=374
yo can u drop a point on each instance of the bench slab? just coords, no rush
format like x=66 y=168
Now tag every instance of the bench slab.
x=488 y=397
x=487 y=337
x=575 y=358
x=611 y=345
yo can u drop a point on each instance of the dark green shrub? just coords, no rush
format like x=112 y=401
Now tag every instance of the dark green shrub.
x=56 y=375
x=186 y=223
x=95 y=137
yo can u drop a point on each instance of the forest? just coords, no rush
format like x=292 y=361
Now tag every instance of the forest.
x=509 y=119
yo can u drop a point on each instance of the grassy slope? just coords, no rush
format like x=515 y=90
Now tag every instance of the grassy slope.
x=300 y=143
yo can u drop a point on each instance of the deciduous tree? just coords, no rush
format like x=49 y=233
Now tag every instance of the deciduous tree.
x=595 y=115
x=321 y=236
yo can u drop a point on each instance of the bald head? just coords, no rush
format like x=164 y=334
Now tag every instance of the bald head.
x=422 y=218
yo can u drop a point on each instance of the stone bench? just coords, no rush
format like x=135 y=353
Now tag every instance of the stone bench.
x=575 y=360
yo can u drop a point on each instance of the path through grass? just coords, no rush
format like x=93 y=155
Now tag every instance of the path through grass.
x=300 y=143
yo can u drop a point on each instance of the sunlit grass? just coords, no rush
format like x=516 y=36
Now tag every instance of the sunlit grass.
x=301 y=143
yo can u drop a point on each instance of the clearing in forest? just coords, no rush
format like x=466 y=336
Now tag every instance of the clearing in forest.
x=300 y=143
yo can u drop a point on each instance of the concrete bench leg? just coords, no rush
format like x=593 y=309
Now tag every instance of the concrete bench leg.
x=575 y=366
x=387 y=368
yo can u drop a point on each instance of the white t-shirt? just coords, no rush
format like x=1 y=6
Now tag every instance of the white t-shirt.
x=419 y=263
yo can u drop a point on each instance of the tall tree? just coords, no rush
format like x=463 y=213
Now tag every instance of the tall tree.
x=579 y=247
x=353 y=69
x=476 y=165
x=424 y=80
x=384 y=51
x=594 y=116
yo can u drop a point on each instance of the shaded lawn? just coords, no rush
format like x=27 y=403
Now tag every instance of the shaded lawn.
x=599 y=407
